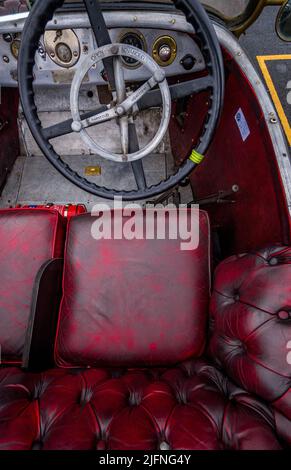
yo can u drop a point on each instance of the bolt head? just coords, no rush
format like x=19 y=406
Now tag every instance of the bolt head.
x=76 y=126
x=120 y=111
x=159 y=75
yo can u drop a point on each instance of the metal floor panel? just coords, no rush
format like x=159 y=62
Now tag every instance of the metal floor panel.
x=34 y=181
x=10 y=192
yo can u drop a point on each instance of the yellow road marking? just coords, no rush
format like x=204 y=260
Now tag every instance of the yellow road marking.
x=262 y=59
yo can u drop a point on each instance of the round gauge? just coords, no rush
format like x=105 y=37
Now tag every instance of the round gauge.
x=15 y=46
x=165 y=50
x=63 y=47
x=64 y=53
x=136 y=40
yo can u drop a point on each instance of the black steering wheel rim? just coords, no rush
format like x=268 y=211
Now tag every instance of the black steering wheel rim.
x=41 y=13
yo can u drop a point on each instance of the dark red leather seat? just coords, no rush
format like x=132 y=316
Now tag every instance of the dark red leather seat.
x=190 y=406
x=251 y=323
x=28 y=239
x=132 y=302
x=116 y=392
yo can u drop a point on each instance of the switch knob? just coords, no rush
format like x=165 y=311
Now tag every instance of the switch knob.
x=188 y=62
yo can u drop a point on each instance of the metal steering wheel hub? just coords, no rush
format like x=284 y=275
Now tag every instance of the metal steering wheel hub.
x=154 y=92
x=124 y=108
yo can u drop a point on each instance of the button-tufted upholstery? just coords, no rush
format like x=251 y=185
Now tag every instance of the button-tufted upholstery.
x=192 y=406
x=251 y=323
x=132 y=302
x=29 y=238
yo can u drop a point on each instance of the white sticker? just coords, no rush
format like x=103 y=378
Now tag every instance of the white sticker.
x=242 y=125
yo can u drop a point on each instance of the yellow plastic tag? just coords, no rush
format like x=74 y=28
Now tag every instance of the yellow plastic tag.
x=196 y=157
x=93 y=170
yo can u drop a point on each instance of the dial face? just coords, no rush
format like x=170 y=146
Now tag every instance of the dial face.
x=136 y=40
x=64 y=52
x=62 y=46
x=165 y=50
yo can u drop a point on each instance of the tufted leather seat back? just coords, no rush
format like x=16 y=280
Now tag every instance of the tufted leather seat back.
x=132 y=302
x=251 y=323
x=29 y=238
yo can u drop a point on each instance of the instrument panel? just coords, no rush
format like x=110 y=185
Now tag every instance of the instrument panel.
x=61 y=50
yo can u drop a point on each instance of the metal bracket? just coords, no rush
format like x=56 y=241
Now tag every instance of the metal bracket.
x=221 y=197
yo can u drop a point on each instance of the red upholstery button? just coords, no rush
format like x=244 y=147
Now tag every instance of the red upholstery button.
x=101 y=445
x=284 y=315
x=164 y=446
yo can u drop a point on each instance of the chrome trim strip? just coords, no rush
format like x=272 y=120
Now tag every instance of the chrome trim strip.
x=133 y=19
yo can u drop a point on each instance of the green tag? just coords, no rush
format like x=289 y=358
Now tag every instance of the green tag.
x=196 y=157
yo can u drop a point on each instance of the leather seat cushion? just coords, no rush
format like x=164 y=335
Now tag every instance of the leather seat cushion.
x=132 y=302
x=29 y=238
x=251 y=322
x=191 y=407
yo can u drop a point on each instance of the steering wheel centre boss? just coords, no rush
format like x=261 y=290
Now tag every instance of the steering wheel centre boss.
x=123 y=108
x=153 y=92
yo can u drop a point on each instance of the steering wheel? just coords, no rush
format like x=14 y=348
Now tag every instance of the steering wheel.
x=154 y=92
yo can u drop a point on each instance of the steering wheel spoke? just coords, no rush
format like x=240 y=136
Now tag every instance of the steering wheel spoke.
x=65 y=127
x=150 y=99
x=123 y=126
x=139 y=174
x=179 y=90
x=137 y=166
x=101 y=34
x=110 y=113
x=120 y=96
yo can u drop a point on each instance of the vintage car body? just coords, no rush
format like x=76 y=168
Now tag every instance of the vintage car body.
x=123 y=344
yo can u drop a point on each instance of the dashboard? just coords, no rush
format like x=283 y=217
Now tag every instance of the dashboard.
x=69 y=39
